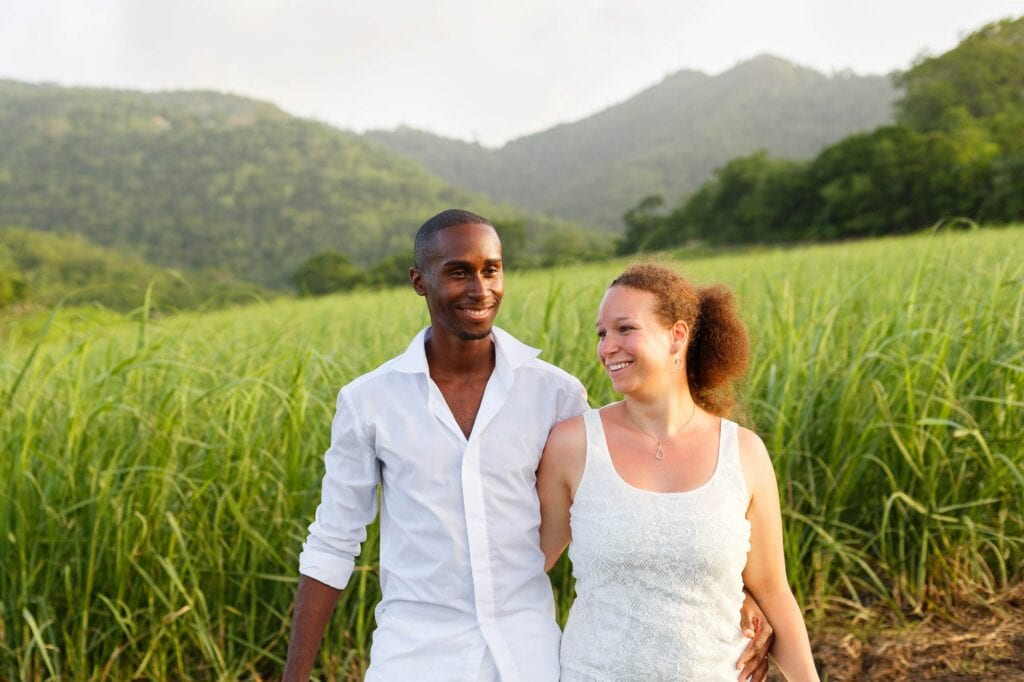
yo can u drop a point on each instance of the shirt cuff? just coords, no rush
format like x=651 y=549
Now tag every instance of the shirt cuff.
x=328 y=568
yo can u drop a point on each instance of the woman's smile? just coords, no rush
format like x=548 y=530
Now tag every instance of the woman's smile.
x=616 y=366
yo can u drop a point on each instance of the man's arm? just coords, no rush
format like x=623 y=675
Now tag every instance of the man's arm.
x=314 y=604
x=348 y=502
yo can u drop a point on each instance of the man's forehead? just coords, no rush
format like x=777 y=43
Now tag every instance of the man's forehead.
x=460 y=237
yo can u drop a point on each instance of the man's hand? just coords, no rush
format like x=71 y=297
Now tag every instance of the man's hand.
x=754 y=661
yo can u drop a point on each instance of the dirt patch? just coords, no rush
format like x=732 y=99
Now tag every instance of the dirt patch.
x=977 y=642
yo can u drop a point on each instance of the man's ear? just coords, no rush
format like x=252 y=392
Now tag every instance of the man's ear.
x=416 y=277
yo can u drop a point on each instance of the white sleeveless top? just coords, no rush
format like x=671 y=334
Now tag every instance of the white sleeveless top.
x=658 y=575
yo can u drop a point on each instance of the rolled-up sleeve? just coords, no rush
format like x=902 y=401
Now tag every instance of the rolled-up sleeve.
x=348 y=499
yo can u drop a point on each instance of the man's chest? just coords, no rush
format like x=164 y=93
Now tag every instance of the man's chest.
x=429 y=456
x=463 y=399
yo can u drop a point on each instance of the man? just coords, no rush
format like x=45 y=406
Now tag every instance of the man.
x=452 y=431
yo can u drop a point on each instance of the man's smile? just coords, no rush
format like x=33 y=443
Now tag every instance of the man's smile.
x=479 y=312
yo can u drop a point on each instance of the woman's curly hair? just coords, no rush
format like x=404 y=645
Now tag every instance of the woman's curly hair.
x=718 y=353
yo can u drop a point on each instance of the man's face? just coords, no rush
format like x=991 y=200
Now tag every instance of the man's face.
x=463 y=282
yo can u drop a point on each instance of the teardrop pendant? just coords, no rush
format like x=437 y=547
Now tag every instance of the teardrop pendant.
x=660 y=454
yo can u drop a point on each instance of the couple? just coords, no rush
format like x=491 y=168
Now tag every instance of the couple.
x=659 y=496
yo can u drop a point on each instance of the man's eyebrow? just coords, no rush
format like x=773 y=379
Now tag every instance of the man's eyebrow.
x=468 y=264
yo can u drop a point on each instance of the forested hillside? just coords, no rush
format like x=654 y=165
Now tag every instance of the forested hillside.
x=956 y=151
x=666 y=140
x=200 y=179
x=44 y=268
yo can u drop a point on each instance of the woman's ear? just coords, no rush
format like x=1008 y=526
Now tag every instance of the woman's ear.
x=680 y=335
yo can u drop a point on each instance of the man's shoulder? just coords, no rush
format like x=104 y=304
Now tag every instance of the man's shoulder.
x=374 y=380
x=525 y=360
x=552 y=373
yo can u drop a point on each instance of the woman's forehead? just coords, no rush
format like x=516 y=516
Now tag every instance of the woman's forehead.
x=625 y=301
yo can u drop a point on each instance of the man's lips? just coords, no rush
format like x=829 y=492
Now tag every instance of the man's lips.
x=477 y=312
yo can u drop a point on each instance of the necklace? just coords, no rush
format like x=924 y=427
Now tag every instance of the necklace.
x=659 y=454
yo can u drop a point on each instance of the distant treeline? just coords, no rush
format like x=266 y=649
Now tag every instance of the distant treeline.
x=957 y=150
x=331 y=271
x=44 y=269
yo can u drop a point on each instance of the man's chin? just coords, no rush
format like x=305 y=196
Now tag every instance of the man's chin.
x=474 y=334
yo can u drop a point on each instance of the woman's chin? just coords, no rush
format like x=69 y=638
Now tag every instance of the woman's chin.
x=621 y=385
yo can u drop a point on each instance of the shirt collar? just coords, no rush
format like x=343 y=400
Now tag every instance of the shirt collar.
x=510 y=355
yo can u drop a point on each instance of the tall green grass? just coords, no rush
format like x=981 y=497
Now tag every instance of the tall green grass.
x=157 y=476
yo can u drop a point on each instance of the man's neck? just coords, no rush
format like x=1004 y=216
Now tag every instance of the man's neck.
x=451 y=358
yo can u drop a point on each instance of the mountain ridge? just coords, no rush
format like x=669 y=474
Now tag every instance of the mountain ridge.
x=666 y=139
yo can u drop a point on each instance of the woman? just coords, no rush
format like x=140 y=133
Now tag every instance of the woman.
x=671 y=508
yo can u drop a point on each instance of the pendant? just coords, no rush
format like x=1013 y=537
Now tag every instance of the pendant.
x=660 y=454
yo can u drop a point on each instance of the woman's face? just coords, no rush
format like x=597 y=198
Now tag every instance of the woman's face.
x=633 y=345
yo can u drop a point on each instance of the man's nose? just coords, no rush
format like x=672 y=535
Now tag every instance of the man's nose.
x=477 y=285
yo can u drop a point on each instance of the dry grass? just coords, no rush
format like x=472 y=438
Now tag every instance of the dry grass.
x=983 y=641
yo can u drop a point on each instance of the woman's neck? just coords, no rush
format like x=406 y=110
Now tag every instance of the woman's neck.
x=663 y=414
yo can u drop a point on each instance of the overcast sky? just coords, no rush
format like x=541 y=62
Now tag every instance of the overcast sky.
x=472 y=69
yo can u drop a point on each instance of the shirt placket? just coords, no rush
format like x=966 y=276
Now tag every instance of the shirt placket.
x=479 y=532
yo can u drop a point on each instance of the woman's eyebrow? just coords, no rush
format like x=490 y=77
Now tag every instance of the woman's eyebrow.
x=624 y=318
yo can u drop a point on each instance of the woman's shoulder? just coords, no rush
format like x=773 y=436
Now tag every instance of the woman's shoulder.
x=754 y=458
x=567 y=435
x=751 y=445
x=565 y=454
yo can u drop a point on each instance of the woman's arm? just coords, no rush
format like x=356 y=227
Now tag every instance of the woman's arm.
x=765 y=573
x=561 y=467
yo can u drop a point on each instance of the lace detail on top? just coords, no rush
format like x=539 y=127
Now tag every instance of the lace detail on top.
x=658 y=575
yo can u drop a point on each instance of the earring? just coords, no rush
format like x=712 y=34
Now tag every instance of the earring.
x=677 y=362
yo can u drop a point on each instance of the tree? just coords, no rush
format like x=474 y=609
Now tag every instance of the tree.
x=984 y=74
x=391 y=271
x=13 y=288
x=513 y=238
x=327 y=272
x=642 y=225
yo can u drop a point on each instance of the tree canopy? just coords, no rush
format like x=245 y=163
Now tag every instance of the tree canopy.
x=956 y=151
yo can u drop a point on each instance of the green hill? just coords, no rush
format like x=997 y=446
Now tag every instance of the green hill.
x=665 y=140
x=43 y=268
x=201 y=179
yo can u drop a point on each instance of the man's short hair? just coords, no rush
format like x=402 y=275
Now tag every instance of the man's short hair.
x=426 y=236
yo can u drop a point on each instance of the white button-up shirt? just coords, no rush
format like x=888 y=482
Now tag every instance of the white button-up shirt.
x=465 y=595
